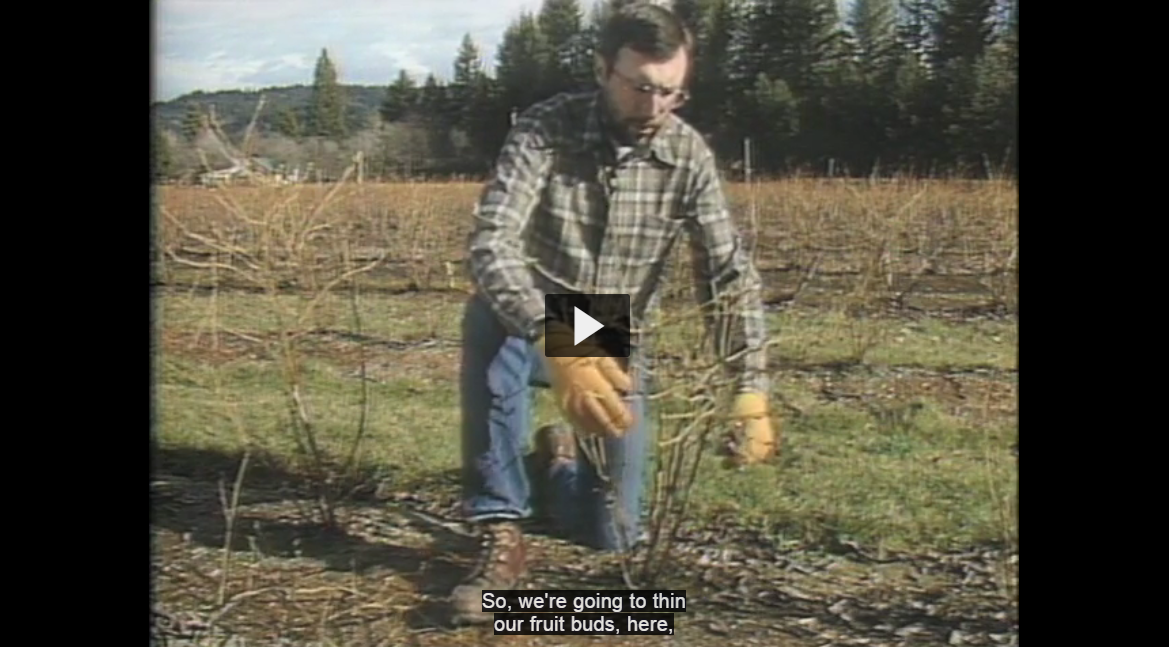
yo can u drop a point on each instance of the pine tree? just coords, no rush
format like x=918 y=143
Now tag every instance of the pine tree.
x=772 y=104
x=327 y=103
x=192 y=122
x=288 y=123
x=520 y=63
x=486 y=120
x=470 y=102
x=400 y=100
x=467 y=70
x=870 y=110
x=993 y=115
x=961 y=32
x=565 y=62
x=873 y=27
x=160 y=155
x=433 y=106
x=715 y=25
x=914 y=19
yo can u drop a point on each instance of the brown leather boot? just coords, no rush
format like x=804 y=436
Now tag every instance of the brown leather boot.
x=502 y=565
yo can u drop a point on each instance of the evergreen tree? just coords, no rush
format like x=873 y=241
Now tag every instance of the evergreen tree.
x=992 y=117
x=486 y=120
x=801 y=43
x=327 y=104
x=871 y=112
x=192 y=122
x=712 y=83
x=899 y=85
x=288 y=123
x=520 y=64
x=961 y=33
x=433 y=104
x=914 y=20
x=566 y=64
x=400 y=100
x=874 y=32
x=772 y=104
x=460 y=94
x=160 y=155
x=467 y=64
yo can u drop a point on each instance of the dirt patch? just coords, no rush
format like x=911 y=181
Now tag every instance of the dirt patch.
x=382 y=578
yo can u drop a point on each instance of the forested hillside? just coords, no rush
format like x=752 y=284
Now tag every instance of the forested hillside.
x=924 y=87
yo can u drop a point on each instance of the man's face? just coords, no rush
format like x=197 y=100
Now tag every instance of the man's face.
x=642 y=92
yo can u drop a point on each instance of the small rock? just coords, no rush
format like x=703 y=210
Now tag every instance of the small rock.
x=915 y=629
x=718 y=628
x=1000 y=639
x=957 y=638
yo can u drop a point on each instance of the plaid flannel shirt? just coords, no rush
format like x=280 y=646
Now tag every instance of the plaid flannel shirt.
x=564 y=214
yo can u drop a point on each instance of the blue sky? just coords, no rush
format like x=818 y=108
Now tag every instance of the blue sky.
x=246 y=44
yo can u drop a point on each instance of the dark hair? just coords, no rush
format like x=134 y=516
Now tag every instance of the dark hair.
x=646 y=28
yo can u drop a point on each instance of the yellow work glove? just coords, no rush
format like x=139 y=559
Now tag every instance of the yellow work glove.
x=588 y=390
x=754 y=438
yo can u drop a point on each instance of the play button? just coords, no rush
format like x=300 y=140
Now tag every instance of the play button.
x=600 y=322
x=584 y=326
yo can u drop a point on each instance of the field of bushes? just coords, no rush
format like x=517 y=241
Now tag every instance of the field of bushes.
x=306 y=472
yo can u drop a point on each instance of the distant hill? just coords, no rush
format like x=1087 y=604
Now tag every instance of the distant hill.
x=234 y=108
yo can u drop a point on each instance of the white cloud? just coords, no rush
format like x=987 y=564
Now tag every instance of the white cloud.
x=236 y=44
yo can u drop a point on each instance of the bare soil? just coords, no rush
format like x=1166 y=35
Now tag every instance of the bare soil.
x=381 y=577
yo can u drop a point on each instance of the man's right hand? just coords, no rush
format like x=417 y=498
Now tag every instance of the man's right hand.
x=588 y=390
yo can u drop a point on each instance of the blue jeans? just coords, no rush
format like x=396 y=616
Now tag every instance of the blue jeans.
x=498 y=374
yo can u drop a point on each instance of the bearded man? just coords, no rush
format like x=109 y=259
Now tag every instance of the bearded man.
x=590 y=192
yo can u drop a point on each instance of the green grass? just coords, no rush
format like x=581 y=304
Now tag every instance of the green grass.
x=912 y=481
x=841 y=476
x=819 y=337
x=402 y=318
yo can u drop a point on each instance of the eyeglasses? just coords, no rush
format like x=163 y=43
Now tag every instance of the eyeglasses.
x=676 y=96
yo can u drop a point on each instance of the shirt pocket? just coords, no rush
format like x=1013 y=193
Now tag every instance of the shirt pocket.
x=647 y=215
x=572 y=193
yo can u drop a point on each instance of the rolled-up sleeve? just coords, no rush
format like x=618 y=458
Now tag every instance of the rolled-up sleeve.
x=726 y=280
x=496 y=258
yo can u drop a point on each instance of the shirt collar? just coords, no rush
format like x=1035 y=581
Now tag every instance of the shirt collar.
x=663 y=145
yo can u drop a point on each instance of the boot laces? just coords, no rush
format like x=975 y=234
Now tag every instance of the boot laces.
x=495 y=542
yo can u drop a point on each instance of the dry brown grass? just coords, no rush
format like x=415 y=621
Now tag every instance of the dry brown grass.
x=888 y=240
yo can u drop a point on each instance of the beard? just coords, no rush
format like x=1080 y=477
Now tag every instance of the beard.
x=632 y=130
x=642 y=128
